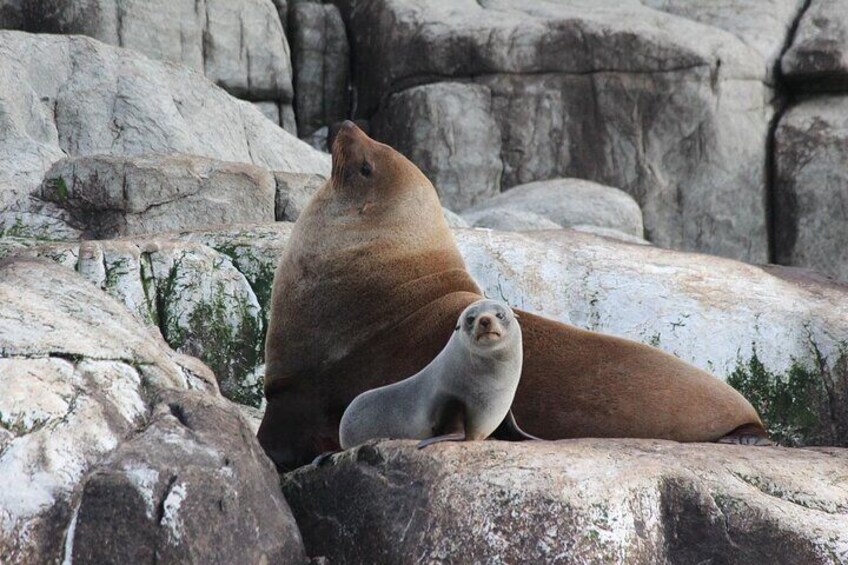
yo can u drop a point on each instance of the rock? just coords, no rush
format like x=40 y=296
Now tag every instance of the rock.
x=212 y=492
x=200 y=302
x=763 y=25
x=811 y=188
x=72 y=386
x=568 y=203
x=504 y=219
x=116 y=102
x=114 y=196
x=610 y=233
x=448 y=130
x=238 y=44
x=270 y=110
x=294 y=190
x=763 y=329
x=817 y=60
x=453 y=219
x=674 y=112
x=321 y=60
x=10 y=14
x=576 y=501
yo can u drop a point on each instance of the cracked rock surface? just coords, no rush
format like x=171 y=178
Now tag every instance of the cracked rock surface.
x=87 y=393
x=580 y=501
x=73 y=96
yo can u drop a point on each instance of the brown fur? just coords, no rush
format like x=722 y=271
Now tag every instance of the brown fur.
x=369 y=290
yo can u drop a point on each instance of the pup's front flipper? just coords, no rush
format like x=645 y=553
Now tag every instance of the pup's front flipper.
x=509 y=430
x=456 y=436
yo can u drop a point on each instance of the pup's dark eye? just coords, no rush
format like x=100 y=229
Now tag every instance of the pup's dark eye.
x=469 y=320
x=499 y=316
x=365 y=170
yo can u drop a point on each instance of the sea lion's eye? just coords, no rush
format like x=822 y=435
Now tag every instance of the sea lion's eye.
x=469 y=320
x=365 y=170
x=456 y=329
x=499 y=315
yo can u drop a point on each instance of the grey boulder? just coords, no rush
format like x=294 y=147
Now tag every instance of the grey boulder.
x=238 y=44
x=817 y=60
x=114 y=196
x=575 y=501
x=811 y=189
x=74 y=96
x=567 y=203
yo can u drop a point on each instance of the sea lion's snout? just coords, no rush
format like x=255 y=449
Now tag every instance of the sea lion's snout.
x=487 y=329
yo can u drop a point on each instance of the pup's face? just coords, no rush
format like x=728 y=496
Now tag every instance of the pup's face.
x=486 y=323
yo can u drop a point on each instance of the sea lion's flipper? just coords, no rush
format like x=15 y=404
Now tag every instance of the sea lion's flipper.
x=749 y=434
x=456 y=436
x=449 y=421
x=509 y=430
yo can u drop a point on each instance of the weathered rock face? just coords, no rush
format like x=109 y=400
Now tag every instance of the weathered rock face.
x=113 y=446
x=238 y=44
x=766 y=330
x=72 y=96
x=211 y=495
x=672 y=111
x=321 y=60
x=567 y=203
x=818 y=57
x=503 y=219
x=811 y=190
x=448 y=130
x=203 y=305
x=294 y=190
x=113 y=196
x=586 y=501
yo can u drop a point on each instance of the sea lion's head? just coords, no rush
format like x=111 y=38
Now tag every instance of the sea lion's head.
x=370 y=178
x=488 y=325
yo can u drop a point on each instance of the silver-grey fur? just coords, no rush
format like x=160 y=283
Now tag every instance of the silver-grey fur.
x=475 y=371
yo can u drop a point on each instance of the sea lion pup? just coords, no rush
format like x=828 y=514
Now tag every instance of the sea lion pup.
x=368 y=292
x=462 y=395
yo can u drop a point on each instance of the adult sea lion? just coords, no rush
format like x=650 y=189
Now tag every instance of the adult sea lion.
x=462 y=395
x=368 y=291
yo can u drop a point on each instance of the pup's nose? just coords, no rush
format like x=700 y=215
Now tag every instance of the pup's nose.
x=485 y=321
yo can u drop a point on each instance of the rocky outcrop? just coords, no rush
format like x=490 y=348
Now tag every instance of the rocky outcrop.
x=817 y=60
x=73 y=96
x=114 y=196
x=767 y=330
x=811 y=189
x=294 y=190
x=108 y=436
x=577 y=501
x=566 y=203
x=211 y=495
x=239 y=44
x=321 y=60
x=448 y=130
x=670 y=110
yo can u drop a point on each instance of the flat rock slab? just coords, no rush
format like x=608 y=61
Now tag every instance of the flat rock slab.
x=111 y=196
x=575 y=501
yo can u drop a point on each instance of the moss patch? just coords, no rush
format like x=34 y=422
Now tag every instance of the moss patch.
x=804 y=405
